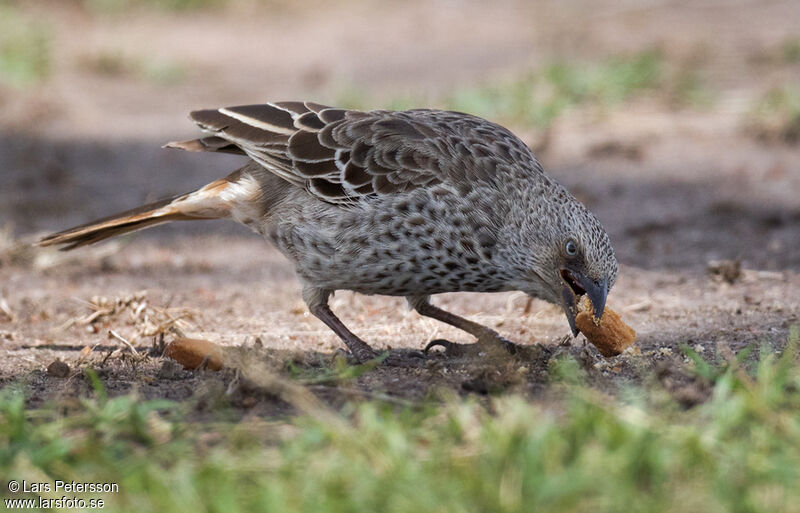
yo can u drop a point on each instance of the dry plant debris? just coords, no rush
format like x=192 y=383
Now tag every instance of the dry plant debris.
x=12 y=250
x=148 y=320
x=5 y=309
x=728 y=271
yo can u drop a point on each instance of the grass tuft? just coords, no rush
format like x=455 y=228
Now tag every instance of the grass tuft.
x=740 y=451
x=115 y=64
x=24 y=48
x=537 y=98
x=775 y=117
x=790 y=50
x=120 y=6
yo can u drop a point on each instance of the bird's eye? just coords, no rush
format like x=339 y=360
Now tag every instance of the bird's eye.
x=571 y=248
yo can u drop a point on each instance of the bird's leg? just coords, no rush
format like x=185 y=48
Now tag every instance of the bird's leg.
x=317 y=301
x=487 y=337
x=360 y=349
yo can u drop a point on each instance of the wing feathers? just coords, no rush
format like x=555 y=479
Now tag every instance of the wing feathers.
x=309 y=121
x=332 y=115
x=315 y=169
x=316 y=107
x=305 y=146
x=211 y=143
x=231 y=125
x=343 y=155
x=356 y=175
x=265 y=117
x=294 y=108
x=326 y=137
x=327 y=189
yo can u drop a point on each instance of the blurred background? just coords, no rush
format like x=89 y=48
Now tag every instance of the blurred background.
x=676 y=121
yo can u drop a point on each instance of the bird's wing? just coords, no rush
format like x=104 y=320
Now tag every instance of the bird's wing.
x=342 y=155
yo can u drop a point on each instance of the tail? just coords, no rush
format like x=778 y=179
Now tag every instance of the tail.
x=210 y=202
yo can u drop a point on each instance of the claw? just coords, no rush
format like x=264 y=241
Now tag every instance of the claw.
x=478 y=349
x=456 y=350
x=364 y=356
x=509 y=346
x=439 y=342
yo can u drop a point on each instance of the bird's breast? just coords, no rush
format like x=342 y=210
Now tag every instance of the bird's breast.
x=417 y=244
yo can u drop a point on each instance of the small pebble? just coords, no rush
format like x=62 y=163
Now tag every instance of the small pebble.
x=58 y=369
x=170 y=369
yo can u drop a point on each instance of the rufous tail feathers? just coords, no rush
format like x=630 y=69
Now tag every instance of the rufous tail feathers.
x=205 y=203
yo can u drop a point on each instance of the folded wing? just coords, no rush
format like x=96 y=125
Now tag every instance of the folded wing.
x=342 y=155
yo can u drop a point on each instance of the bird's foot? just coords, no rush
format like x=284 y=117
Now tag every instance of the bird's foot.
x=453 y=349
x=363 y=354
x=495 y=341
x=405 y=358
x=504 y=349
x=487 y=344
x=394 y=358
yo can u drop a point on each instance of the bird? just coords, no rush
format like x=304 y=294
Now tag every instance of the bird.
x=408 y=203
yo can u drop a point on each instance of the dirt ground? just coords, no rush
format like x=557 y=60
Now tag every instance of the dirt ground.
x=682 y=193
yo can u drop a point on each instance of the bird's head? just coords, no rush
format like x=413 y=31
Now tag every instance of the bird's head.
x=586 y=265
x=575 y=257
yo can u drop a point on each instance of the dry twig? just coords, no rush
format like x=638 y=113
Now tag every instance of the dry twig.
x=121 y=339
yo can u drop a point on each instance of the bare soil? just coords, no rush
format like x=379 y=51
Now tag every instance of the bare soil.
x=687 y=197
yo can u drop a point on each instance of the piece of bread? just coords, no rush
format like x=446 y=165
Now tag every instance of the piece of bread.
x=191 y=352
x=609 y=334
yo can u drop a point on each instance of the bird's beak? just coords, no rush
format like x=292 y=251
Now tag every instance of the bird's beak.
x=577 y=284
